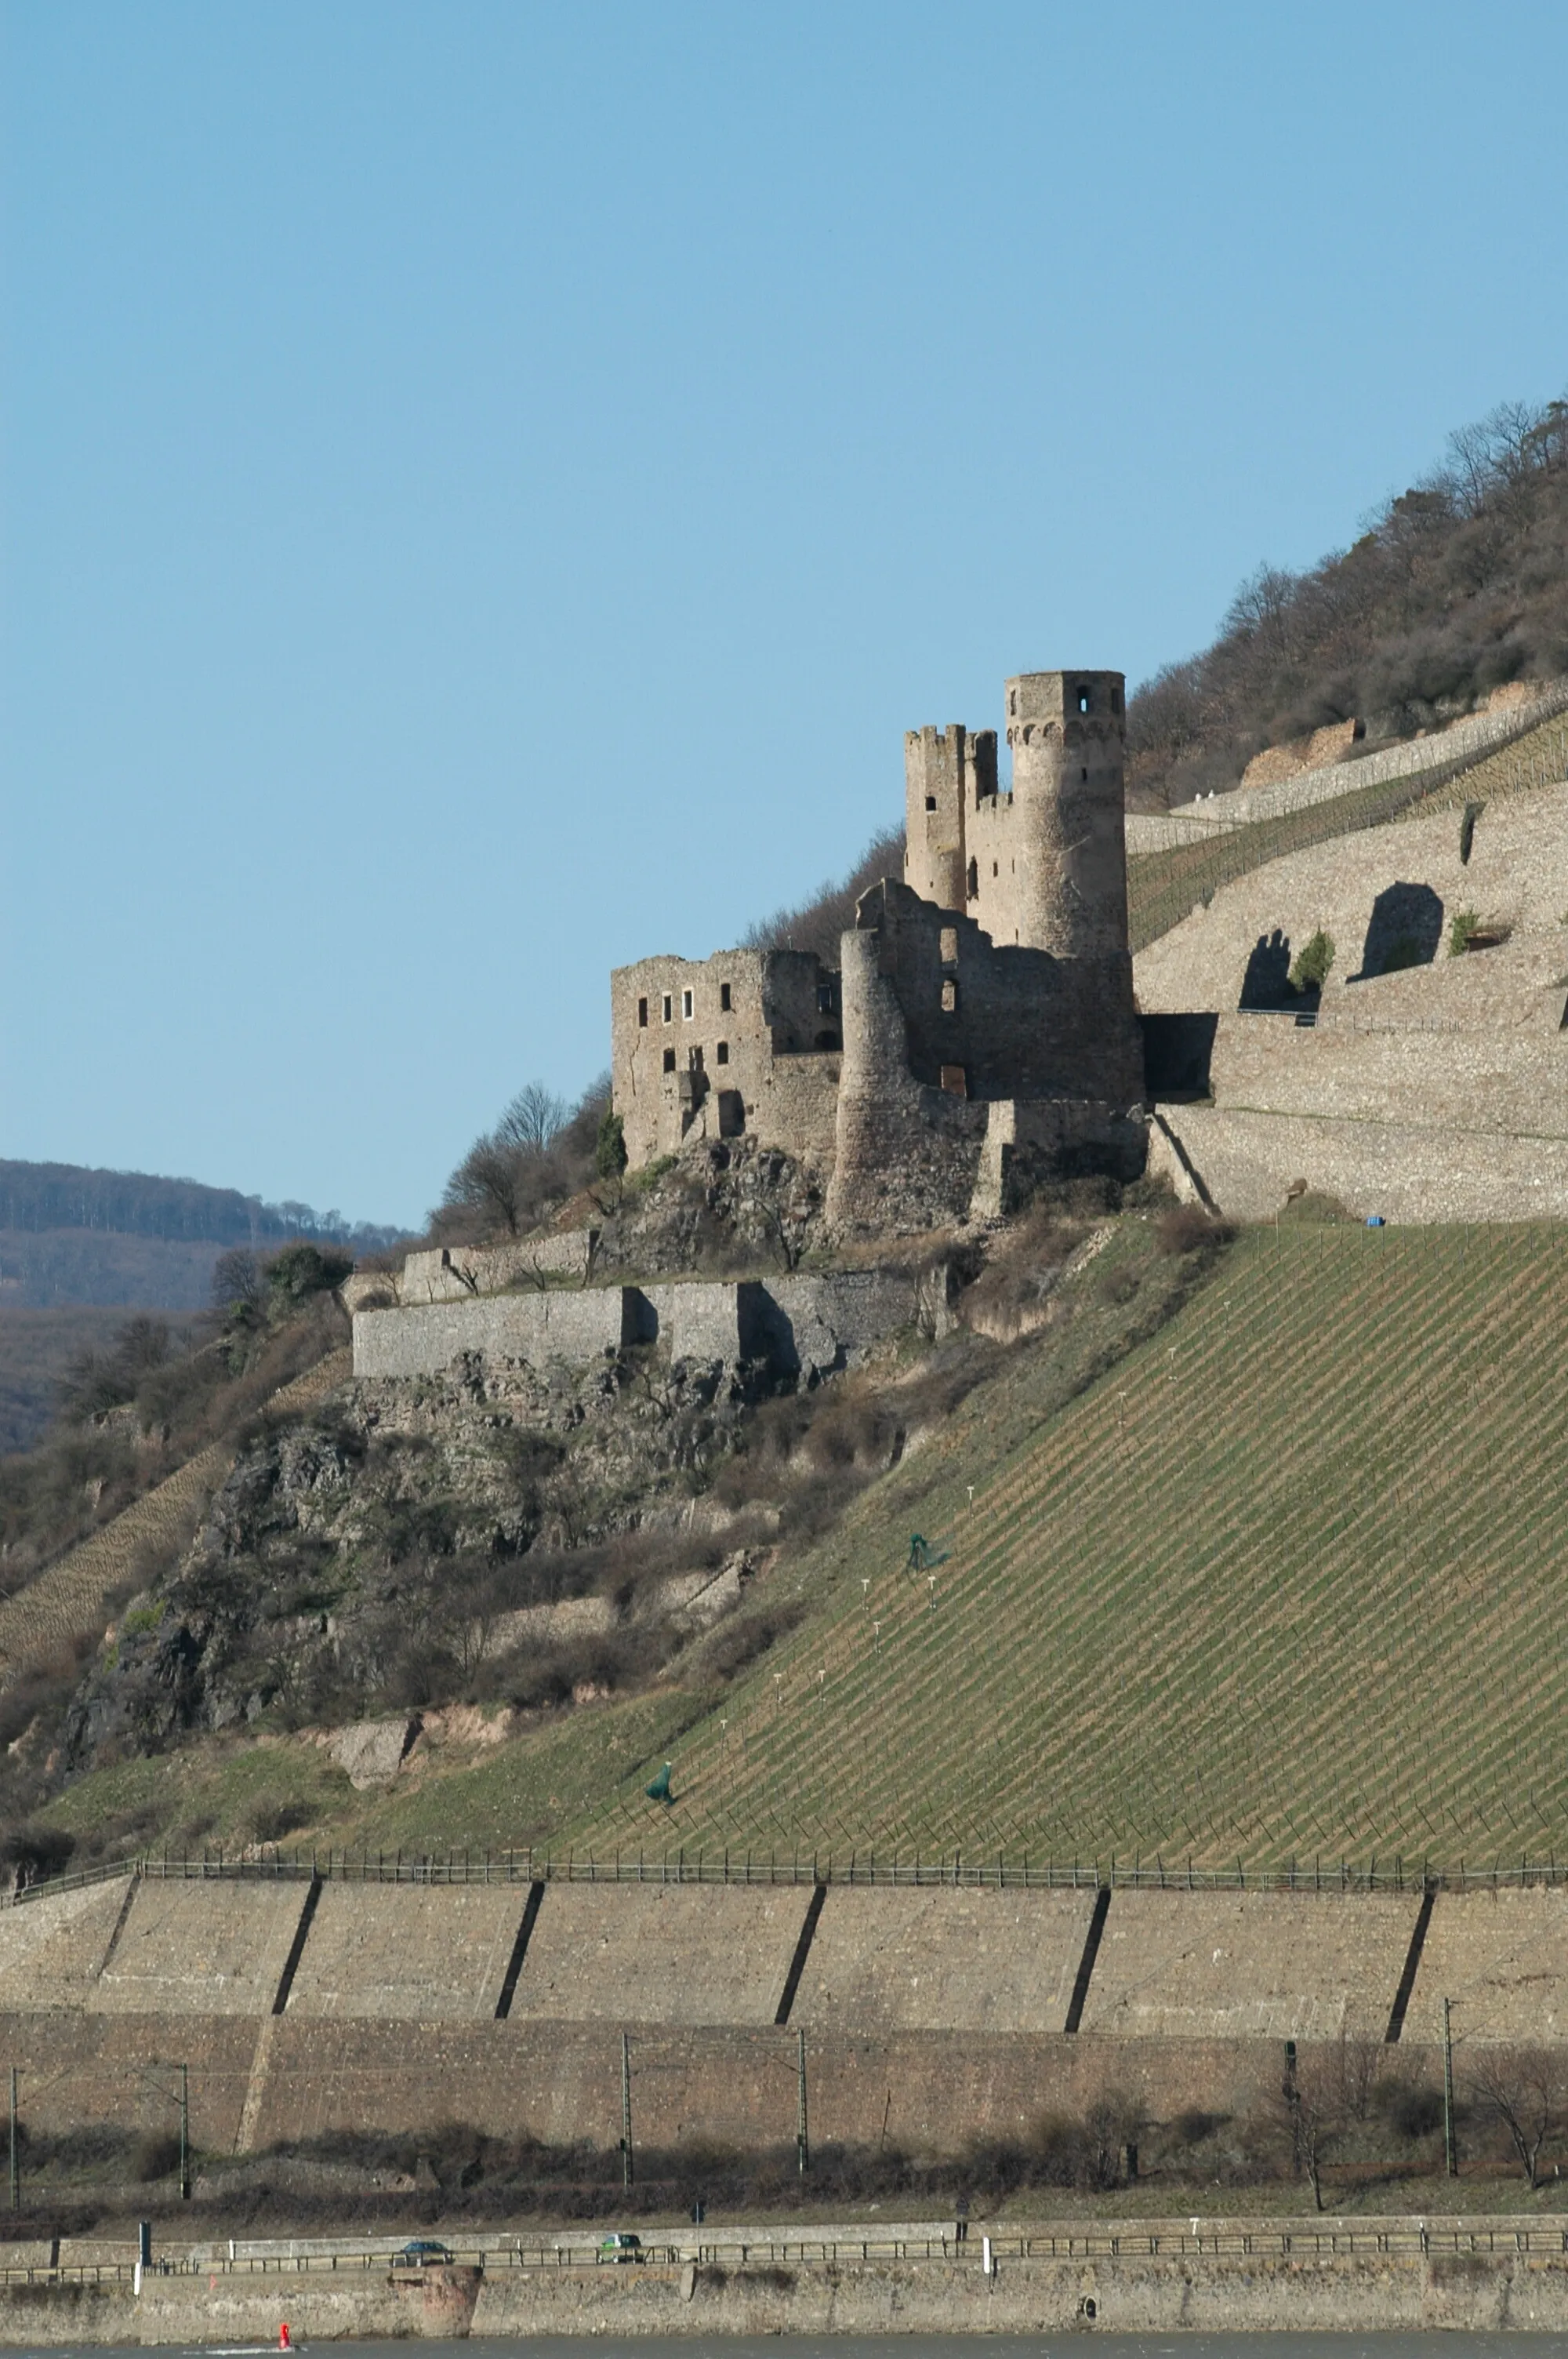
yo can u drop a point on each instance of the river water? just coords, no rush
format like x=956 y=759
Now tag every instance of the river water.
x=1445 y=2345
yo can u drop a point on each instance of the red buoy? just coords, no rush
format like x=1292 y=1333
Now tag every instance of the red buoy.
x=283 y=2342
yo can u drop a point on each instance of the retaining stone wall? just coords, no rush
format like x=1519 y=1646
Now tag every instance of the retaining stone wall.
x=1218 y=814
x=457 y=1273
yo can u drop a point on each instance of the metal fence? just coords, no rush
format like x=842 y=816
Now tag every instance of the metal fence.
x=1099 y=2241
x=967 y=1869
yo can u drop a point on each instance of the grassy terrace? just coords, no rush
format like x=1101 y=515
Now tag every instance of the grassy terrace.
x=1287 y=1583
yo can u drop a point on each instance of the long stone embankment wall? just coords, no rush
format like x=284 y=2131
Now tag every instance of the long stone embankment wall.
x=794 y=1325
x=930 y=2015
x=1323 y=2277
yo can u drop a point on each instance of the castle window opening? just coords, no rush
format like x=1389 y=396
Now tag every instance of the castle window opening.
x=995 y=870
x=686 y=997
x=643 y=1014
x=693 y=1060
x=825 y=999
x=948 y=945
x=669 y=1007
x=724 y=997
x=949 y=997
x=669 y=1060
x=1085 y=777
x=973 y=886
x=956 y=1080
x=721 y=1054
x=1083 y=699
x=930 y=802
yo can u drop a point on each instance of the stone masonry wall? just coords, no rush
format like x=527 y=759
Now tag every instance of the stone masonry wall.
x=1194 y=823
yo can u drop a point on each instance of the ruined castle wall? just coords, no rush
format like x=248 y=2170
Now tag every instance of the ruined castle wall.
x=453 y=1274
x=827 y=1322
x=683 y=1064
x=1013 y=1023
x=572 y=1327
x=949 y=774
x=907 y=1156
x=994 y=832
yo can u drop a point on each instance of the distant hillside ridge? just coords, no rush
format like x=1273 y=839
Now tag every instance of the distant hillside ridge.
x=1457 y=590
x=39 y=1196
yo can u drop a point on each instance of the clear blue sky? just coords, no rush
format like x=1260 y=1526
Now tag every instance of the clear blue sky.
x=486 y=486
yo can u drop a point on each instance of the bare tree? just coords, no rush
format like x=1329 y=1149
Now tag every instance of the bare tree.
x=532 y=1121
x=1312 y=2100
x=1525 y=2089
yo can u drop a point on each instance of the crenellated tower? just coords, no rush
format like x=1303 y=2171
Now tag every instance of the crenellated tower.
x=945 y=773
x=1067 y=732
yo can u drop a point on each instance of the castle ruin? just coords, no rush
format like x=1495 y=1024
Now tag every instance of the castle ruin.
x=979 y=1031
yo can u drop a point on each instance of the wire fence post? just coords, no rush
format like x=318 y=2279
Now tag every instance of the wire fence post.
x=625 y=2110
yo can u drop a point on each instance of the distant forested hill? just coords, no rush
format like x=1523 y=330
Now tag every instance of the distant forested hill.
x=81 y=1251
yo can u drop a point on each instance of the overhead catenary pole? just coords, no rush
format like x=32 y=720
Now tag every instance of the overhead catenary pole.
x=184 y=2133
x=15 y=2161
x=625 y=2110
x=802 y=2141
x=1450 y=2152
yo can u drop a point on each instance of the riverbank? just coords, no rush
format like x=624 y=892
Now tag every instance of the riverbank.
x=1213 y=2277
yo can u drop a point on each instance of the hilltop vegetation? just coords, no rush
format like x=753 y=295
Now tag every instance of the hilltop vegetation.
x=1457 y=586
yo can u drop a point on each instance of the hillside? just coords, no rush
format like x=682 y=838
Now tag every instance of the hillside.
x=1280 y=1583
x=1455 y=588
x=83 y=1250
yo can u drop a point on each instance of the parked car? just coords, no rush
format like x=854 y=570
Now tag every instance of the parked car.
x=422 y=2253
x=620 y=2247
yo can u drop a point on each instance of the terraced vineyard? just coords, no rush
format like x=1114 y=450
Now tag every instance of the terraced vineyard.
x=1288 y=1585
x=1163 y=886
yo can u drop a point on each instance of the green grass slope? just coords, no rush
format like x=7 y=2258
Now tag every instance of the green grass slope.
x=1287 y=1583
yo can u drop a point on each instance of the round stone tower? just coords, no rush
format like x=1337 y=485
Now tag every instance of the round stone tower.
x=1067 y=731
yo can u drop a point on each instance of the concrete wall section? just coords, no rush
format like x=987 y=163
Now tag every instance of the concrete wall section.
x=396 y=1952
x=52 y=1949
x=1217 y=1965
x=559 y=2081
x=660 y=1953
x=1405 y=1171
x=960 y=1960
x=572 y=1327
x=1502 y=1958
x=208 y=1948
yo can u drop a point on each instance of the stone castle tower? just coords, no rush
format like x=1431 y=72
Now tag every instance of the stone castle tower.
x=1042 y=867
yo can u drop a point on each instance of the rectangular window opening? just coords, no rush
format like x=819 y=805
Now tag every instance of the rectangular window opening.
x=948 y=945
x=724 y=997
x=949 y=997
x=643 y=1014
x=669 y=1060
x=721 y=1054
x=669 y=1007
x=686 y=1006
x=825 y=999
x=930 y=802
x=693 y=1060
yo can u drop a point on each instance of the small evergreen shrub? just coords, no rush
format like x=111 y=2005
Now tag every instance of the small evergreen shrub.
x=609 y=1149
x=1313 y=962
